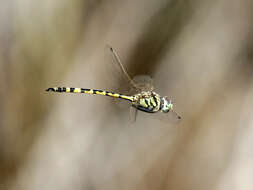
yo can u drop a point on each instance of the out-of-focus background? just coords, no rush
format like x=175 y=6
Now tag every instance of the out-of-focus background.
x=198 y=52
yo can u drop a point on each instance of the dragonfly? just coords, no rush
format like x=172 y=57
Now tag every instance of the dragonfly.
x=145 y=100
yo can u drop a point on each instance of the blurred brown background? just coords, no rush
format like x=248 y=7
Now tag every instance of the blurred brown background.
x=198 y=52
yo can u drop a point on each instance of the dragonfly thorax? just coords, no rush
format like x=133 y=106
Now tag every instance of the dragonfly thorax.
x=147 y=101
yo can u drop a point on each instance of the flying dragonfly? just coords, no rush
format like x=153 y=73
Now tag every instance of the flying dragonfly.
x=146 y=99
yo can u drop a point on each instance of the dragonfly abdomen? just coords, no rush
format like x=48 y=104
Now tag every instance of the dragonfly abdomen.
x=89 y=91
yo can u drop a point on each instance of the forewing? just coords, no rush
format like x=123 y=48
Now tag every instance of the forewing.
x=120 y=80
x=119 y=71
x=144 y=82
x=170 y=117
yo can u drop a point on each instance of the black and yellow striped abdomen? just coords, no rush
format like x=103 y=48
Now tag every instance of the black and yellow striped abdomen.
x=89 y=91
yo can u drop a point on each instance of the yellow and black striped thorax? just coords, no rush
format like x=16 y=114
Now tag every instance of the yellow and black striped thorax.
x=147 y=101
x=90 y=91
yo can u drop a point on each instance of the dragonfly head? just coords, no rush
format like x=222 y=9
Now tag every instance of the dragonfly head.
x=166 y=105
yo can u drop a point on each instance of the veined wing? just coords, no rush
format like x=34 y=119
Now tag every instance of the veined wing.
x=138 y=83
x=170 y=118
x=144 y=82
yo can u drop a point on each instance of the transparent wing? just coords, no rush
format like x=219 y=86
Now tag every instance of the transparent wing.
x=124 y=73
x=117 y=80
x=171 y=117
x=168 y=118
x=133 y=114
x=139 y=83
x=144 y=82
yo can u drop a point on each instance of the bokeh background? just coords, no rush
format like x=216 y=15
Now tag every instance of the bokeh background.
x=198 y=52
